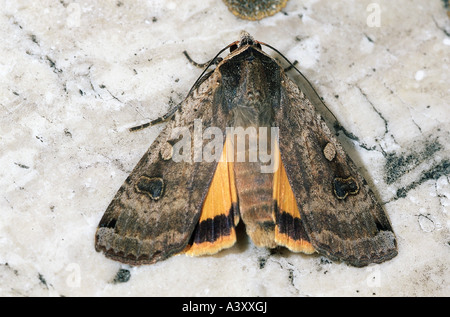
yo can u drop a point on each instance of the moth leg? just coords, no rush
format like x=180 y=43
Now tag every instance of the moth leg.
x=161 y=119
x=216 y=227
x=291 y=66
x=289 y=229
x=215 y=61
x=172 y=111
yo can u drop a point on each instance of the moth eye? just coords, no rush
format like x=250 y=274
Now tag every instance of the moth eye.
x=152 y=186
x=329 y=151
x=344 y=187
x=258 y=46
x=233 y=47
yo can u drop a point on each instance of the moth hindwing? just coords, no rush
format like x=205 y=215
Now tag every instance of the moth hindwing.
x=245 y=144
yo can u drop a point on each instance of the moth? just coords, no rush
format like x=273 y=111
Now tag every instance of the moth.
x=178 y=199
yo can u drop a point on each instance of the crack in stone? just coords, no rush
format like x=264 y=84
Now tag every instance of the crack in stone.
x=338 y=127
x=426 y=222
x=42 y=280
x=441 y=196
x=398 y=165
x=291 y=269
x=52 y=63
x=22 y=165
x=386 y=129
x=435 y=172
x=447 y=33
x=41 y=54
x=114 y=97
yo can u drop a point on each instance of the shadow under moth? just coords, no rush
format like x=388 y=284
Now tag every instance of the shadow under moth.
x=178 y=199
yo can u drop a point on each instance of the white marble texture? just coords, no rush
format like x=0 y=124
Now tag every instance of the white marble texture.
x=74 y=75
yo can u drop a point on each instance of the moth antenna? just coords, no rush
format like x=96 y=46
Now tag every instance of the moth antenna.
x=172 y=111
x=292 y=66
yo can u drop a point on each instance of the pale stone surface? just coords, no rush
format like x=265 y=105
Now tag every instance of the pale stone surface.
x=76 y=75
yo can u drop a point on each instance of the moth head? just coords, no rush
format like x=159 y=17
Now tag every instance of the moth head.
x=246 y=39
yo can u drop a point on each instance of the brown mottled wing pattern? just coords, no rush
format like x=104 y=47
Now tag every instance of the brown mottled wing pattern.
x=341 y=216
x=155 y=211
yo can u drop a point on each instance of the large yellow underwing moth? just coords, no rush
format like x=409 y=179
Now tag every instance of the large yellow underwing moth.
x=189 y=198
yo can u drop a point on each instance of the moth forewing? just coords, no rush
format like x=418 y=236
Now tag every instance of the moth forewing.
x=139 y=229
x=341 y=214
